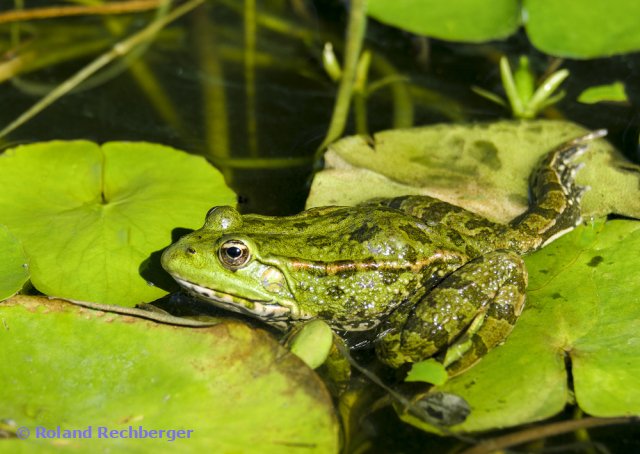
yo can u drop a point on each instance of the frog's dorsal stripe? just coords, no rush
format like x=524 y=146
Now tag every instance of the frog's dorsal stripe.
x=352 y=266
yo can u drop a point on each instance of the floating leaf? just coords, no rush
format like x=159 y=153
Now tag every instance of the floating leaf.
x=13 y=264
x=88 y=216
x=614 y=92
x=482 y=167
x=463 y=20
x=429 y=371
x=312 y=343
x=236 y=389
x=585 y=29
x=582 y=309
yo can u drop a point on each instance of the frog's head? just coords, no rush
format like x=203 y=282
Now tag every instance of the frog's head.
x=222 y=263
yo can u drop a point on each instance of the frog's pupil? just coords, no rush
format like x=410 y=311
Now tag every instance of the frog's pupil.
x=234 y=252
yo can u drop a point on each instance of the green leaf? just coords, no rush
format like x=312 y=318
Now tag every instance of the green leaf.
x=312 y=343
x=235 y=388
x=582 y=309
x=88 y=216
x=584 y=29
x=462 y=20
x=429 y=371
x=614 y=92
x=14 y=271
x=482 y=167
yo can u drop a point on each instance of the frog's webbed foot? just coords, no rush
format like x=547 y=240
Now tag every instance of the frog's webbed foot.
x=471 y=311
x=555 y=196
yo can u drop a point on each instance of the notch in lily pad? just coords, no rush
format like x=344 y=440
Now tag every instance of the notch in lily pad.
x=14 y=269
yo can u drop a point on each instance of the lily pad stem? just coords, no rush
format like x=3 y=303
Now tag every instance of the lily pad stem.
x=141 y=313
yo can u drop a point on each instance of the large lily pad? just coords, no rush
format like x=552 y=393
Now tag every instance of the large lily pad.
x=463 y=20
x=88 y=216
x=14 y=271
x=584 y=29
x=583 y=310
x=235 y=388
x=482 y=167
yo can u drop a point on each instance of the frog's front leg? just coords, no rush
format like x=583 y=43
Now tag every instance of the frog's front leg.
x=471 y=311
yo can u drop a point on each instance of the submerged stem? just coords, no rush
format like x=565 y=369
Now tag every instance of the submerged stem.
x=250 y=30
x=118 y=50
x=355 y=36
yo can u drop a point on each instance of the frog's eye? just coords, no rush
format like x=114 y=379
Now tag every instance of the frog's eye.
x=234 y=254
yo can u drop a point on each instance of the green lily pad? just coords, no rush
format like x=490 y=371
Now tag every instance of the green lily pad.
x=584 y=29
x=482 y=167
x=89 y=215
x=235 y=389
x=583 y=309
x=463 y=20
x=14 y=271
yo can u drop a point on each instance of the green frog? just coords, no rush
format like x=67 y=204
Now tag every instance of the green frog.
x=431 y=278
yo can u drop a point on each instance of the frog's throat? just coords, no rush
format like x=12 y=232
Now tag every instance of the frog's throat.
x=263 y=309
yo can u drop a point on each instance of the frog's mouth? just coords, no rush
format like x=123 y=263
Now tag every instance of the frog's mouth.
x=256 y=308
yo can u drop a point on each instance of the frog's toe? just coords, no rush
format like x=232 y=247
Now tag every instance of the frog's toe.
x=572 y=191
x=571 y=152
x=576 y=147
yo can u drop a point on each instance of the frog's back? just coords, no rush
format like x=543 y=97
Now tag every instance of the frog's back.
x=360 y=233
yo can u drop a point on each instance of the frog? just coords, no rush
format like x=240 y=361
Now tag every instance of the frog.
x=428 y=278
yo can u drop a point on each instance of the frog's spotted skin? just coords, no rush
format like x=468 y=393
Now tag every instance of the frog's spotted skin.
x=431 y=278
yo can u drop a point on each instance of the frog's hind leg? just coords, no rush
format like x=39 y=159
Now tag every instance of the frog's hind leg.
x=471 y=311
x=555 y=197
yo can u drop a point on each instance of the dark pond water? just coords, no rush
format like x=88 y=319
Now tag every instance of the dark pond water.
x=262 y=124
x=263 y=137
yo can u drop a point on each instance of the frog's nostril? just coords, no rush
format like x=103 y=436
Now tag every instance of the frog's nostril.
x=191 y=250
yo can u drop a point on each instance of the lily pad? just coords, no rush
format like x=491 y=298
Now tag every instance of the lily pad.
x=14 y=271
x=582 y=312
x=482 y=167
x=463 y=20
x=235 y=389
x=584 y=29
x=89 y=215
